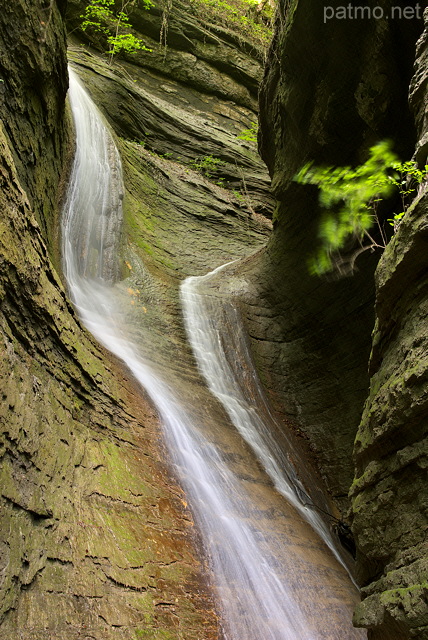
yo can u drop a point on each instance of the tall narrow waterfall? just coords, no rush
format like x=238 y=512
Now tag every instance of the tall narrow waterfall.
x=212 y=329
x=272 y=581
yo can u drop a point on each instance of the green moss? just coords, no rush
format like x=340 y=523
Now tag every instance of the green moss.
x=75 y=504
x=154 y=634
x=117 y=478
x=240 y=16
x=404 y=594
x=141 y=206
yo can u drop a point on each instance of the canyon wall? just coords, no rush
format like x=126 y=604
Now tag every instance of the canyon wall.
x=330 y=91
x=389 y=493
x=95 y=536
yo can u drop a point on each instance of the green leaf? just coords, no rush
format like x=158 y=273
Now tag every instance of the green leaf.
x=352 y=194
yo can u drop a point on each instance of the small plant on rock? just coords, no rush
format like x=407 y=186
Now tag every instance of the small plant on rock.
x=207 y=165
x=408 y=180
x=250 y=18
x=250 y=134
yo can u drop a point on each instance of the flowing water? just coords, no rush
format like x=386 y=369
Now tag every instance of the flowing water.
x=273 y=577
x=219 y=343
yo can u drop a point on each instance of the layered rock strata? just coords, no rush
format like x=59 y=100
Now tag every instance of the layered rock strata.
x=95 y=537
x=330 y=91
x=197 y=195
x=190 y=96
x=389 y=494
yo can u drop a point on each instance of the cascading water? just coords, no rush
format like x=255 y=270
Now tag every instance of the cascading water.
x=260 y=595
x=209 y=331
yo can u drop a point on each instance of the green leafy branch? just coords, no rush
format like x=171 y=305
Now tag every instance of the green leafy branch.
x=101 y=16
x=97 y=14
x=350 y=199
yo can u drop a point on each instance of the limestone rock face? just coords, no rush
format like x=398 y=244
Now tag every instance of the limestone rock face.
x=189 y=46
x=187 y=100
x=330 y=91
x=389 y=494
x=87 y=507
x=32 y=100
x=95 y=540
x=177 y=217
x=197 y=195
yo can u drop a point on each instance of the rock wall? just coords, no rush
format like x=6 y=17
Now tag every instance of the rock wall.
x=168 y=200
x=329 y=92
x=332 y=89
x=32 y=99
x=95 y=539
x=181 y=218
x=389 y=494
x=189 y=97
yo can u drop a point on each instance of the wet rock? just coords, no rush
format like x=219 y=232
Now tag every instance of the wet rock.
x=329 y=92
x=93 y=531
x=311 y=336
x=389 y=496
x=33 y=101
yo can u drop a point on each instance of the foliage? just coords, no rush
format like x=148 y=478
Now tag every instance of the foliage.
x=250 y=135
x=126 y=42
x=248 y=17
x=101 y=16
x=207 y=165
x=96 y=15
x=408 y=175
x=350 y=198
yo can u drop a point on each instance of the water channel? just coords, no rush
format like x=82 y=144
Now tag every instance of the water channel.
x=277 y=573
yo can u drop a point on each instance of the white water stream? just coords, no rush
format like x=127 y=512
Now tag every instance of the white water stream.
x=257 y=596
x=210 y=336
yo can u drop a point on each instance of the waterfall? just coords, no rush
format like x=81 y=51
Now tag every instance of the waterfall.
x=92 y=214
x=209 y=331
x=256 y=595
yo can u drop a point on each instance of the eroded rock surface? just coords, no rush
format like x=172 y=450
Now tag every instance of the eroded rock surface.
x=180 y=220
x=311 y=336
x=175 y=216
x=330 y=91
x=190 y=96
x=32 y=101
x=95 y=537
x=389 y=495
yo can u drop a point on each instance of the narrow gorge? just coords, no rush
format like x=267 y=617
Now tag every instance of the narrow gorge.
x=232 y=456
